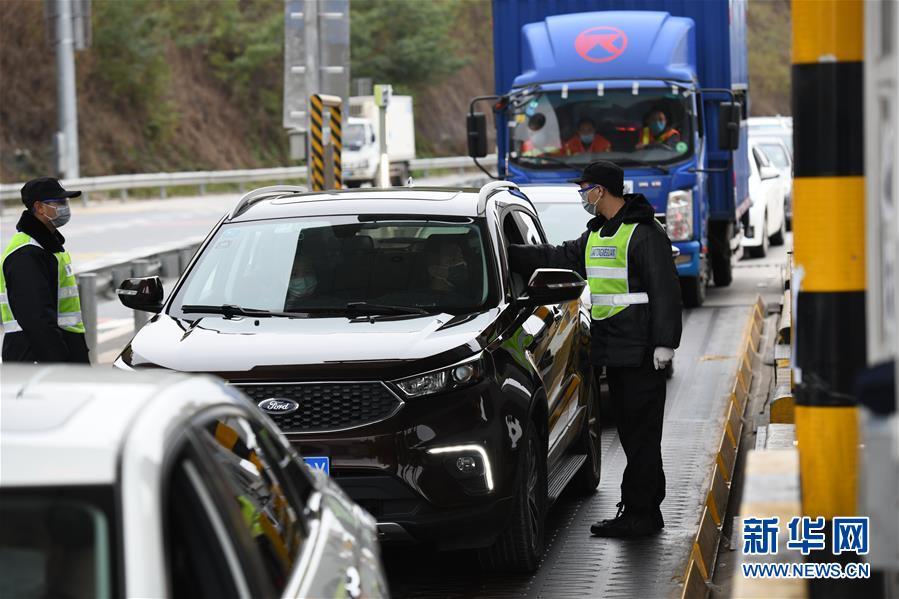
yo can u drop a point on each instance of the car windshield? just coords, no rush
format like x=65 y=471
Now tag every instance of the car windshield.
x=322 y=265
x=56 y=542
x=573 y=128
x=782 y=133
x=562 y=221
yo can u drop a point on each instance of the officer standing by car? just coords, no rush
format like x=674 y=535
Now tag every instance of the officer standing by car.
x=625 y=255
x=39 y=303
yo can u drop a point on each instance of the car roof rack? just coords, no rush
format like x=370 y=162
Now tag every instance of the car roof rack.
x=248 y=199
x=489 y=189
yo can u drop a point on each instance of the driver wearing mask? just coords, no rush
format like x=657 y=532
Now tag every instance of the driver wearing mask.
x=657 y=131
x=303 y=281
x=587 y=140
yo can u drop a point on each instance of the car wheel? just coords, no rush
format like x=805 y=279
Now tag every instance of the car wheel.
x=590 y=443
x=520 y=546
x=761 y=250
x=692 y=291
x=352 y=184
x=778 y=238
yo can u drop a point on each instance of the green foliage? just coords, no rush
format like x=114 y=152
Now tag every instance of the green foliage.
x=408 y=43
x=130 y=54
x=769 y=56
x=242 y=40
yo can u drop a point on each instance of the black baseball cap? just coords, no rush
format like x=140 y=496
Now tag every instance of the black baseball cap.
x=45 y=188
x=607 y=174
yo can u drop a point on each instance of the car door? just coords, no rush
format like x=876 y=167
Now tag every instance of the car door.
x=553 y=327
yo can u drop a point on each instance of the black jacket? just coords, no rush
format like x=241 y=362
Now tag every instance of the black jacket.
x=32 y=283
x=623 y=339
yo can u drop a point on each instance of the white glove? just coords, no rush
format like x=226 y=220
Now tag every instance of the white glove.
x=662 y=357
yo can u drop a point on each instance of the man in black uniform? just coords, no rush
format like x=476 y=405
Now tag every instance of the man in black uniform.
x=39 y=305
x=625 y=256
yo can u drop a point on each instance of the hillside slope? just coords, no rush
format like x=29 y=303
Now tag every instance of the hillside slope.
x=188 y=84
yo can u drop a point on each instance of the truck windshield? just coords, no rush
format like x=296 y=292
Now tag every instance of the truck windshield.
x=354 y=136
x=572 y=129
x=320 y=266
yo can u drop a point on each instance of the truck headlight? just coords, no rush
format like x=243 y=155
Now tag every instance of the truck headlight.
x=679 y=216
x=461 y=374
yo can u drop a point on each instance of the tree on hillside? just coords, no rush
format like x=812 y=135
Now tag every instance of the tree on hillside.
x=407 y=43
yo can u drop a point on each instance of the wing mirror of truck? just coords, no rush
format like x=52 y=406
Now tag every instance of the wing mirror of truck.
x=143 y=293
x=729 y=114
x=476 y=123
x=553 y=286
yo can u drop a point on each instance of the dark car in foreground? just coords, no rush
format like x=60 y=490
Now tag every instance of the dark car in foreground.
x=384 y=334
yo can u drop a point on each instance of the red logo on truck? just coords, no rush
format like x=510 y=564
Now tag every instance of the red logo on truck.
x=600 y=44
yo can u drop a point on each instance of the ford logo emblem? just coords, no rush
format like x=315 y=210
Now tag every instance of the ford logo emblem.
x=278 y=405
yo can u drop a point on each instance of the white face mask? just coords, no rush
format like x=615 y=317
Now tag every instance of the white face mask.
x=588 y=206
x=63 y=214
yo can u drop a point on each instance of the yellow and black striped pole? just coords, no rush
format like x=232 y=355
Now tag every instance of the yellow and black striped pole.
x=337 y=142
x=317 y=103
x=829 y=248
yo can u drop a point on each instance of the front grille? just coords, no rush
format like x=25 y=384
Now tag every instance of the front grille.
x=327 y=406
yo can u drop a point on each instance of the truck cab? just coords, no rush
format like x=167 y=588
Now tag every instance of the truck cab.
x=662 y=95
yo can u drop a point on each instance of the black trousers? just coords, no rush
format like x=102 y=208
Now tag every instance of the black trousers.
x=638 y=403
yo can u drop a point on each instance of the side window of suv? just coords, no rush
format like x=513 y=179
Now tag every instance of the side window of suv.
x=268 y=500
x=529 y=228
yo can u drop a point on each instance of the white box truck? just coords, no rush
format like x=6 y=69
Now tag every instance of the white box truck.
x=361 y=140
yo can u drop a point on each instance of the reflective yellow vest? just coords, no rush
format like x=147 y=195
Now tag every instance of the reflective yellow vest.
x=68 y=308
x=606 y=265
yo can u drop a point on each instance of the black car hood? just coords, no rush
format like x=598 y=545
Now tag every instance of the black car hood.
x=220 y=345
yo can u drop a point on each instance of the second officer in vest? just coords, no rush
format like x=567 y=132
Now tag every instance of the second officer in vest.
x=625 y=256
x=39 y=303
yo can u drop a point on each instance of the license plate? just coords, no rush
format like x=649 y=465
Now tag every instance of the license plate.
x=628 y=186
x=322 y=463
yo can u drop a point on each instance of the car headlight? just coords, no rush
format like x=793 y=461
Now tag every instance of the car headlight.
x=679 y=216
x=461 y=374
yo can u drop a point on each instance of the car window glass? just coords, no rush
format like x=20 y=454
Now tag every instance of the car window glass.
x=55 y=542
x=529 y=228
x=776 y=154
x=197 y=546
x=259 y=492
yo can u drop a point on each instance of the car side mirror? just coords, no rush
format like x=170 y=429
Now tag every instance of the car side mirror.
x=768 y=172
x=553 y=286
x=476 y=123
x=729 y=114
x=143 y=293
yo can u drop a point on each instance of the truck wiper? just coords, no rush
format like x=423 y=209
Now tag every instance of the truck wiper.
x=232 y=310
x=368 y=308
x=662 y=168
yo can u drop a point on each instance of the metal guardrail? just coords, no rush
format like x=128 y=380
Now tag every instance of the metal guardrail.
x=162 y=181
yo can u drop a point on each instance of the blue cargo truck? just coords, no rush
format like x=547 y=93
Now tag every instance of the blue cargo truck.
x=585 y=80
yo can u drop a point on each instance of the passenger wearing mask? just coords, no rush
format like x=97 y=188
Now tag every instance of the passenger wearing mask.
x=586 y=141
x=657 y=131
x=447 y=269
x=39 y=303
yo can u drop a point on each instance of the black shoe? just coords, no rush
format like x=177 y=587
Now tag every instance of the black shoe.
x=628 y=525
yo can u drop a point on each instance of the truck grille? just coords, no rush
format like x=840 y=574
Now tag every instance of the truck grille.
x=327 y=406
